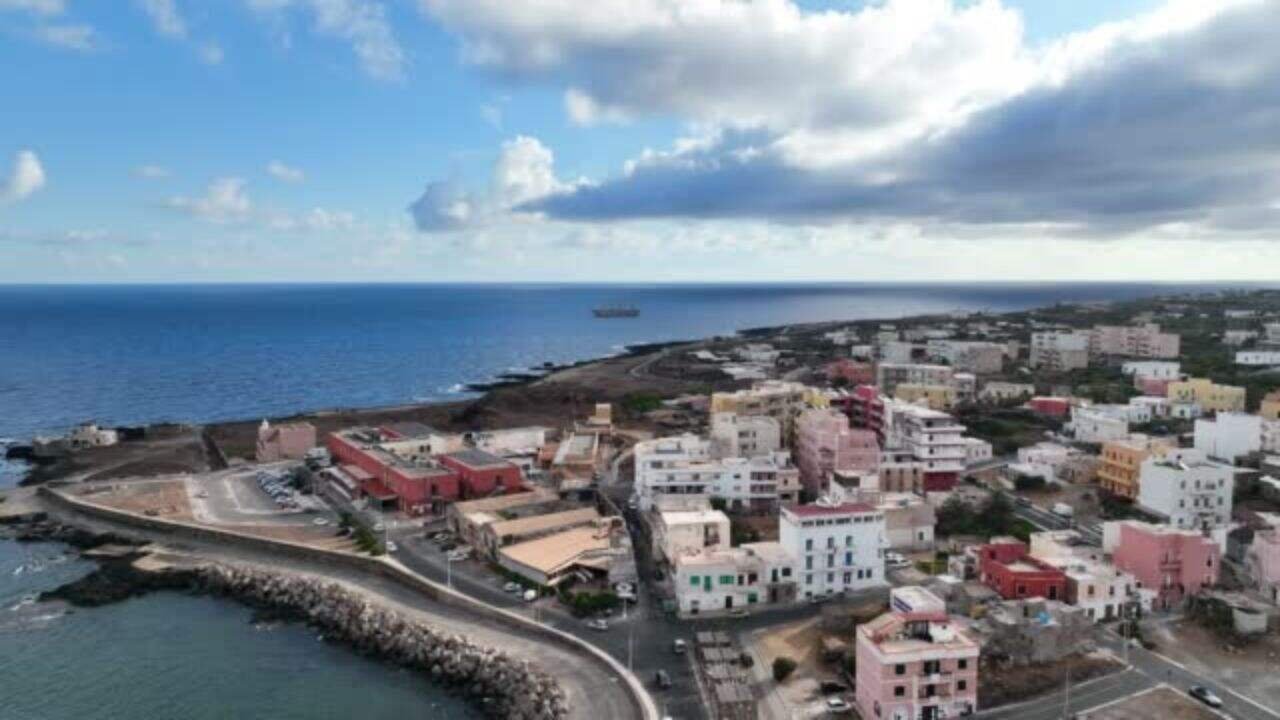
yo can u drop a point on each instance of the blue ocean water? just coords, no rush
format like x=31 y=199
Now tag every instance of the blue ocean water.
x=135 y=354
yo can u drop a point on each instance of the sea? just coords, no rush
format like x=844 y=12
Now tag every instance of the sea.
x=133 y=354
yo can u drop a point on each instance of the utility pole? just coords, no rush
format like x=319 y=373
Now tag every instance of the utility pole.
x=1066 y=695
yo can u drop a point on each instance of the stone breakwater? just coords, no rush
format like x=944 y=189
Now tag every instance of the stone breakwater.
x=499 y=685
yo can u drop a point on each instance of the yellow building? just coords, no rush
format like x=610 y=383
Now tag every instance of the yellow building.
x=937 y=397
x=1122 y=462
x=777 y=399
x=1210 y=396
x=1271 y=406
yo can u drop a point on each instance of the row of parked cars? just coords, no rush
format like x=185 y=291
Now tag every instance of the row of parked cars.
x=277 y=486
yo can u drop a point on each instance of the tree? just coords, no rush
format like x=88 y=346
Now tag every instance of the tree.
x=783 y=666
x=954 y=517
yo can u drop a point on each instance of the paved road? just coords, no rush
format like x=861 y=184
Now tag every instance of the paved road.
x=1147 y=670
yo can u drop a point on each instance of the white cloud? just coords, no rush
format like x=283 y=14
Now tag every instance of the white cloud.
x=224 y=201
x=81 y=38
x=524 y=172
x=151 y=172
x=280 y=171
x=211 y=53
x=360 y=23
x=36 y=7
x=26 y=177
x=165 y=17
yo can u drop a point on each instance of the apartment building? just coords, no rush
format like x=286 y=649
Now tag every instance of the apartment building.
x=734 y=435
x=725 y=579
x=287 y=441
x=1191 y=492
x=825 y=443
x=838 y=547
x=777 y=399
x=998 y=392
x=1098 y=588
x=685 y=465
x=979 y=357
x=1135 y=341
x=1270 y=408
x=1122 y=461
x=1099 y=423
x=1172 y=563
x=935 y=397
x=1155 y=369
x=1060 y=351
x=915 y=661
x=1258 y=358
x=851 y=372
x=934 y=438
x=1231 y=435
x=1207 y=395
x=688 y=532
x=890 y=375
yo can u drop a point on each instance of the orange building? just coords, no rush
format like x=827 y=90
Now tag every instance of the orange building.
x=1122 y=461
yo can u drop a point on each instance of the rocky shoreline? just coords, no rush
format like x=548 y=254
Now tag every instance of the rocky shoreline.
x=494 y=682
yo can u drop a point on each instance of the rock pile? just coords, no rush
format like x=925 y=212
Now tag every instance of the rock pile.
x=501 y=686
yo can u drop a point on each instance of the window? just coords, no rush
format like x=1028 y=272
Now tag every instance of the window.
x=961 y=685
x=808 y=544
x=848 y=558
x=899 y=669
x=962 y=663
x=808 y=562
x=694 y=580
x=899 y=691
x=727 y=579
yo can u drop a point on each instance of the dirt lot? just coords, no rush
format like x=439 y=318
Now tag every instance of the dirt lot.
x=160 y=498
x=1249 y=669
x=1004 y=685
x=167 y=450
x=1162 y=702
x=798 y=641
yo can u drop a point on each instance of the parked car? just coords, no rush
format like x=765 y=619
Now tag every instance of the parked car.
x=679 y=646
x=598 y=624
x=391 y=546
x=320 y=521
x=895 y=560
x=1205 y=695
x=662 y=679
x=530 y=595
x=738 y=612
x=836 y=705
x=512 y=587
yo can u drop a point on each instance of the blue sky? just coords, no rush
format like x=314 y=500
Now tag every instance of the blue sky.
x=175 y=140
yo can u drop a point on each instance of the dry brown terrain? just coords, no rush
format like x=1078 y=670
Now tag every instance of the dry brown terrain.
x=1003 y=685
x=164 y=498
x=1248 y=668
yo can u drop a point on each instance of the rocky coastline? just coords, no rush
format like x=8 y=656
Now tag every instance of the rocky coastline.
x=497 y=684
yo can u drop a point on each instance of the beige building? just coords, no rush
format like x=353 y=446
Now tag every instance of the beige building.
x=935 y=397
x=1060 y=351
x=465 y=519
x=1002 y=392
x=777 y=399
x=1271 y=406
x=1207 y=395
x=549 y=560
x=890 y=375
x=1136 y=341
x=496 y=535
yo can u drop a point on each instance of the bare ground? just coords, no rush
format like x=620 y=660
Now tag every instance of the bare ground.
x=1161 y=702
x=1250 y=669
x=1000 y=685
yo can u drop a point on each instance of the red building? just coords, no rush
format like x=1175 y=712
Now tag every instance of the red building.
x=416 y=487
x=852 y=372
x=483 y=474
x=1005 y=566
x=865 y=409
x=1053 y=406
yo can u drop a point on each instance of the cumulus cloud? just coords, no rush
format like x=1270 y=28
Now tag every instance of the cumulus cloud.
x=224 y=201
x=165 y=17
x=524 y=173
x=280 y=171
x=1167 y=122
x=25 y=178
x=36 y=7
x=360 y=23
x=82 y=38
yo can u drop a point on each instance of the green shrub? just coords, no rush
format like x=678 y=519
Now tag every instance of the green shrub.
x=783 y=666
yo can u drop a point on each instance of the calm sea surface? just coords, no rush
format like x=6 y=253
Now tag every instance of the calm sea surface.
x=134 y=354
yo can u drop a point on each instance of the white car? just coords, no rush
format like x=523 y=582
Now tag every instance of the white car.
x=837 y=705
x=320 y=521
x=512 y=587
x=379 y=527
x=597 y=624
x=530 y=595
x=391 y=546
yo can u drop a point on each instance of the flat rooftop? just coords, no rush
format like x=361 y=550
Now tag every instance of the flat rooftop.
x=476 y=458
x=554 y=552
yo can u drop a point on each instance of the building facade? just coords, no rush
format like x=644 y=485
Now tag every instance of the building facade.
x=890 y=375
x=734 y=435
x=684 y=465
x=1006 y=566
x=1060 y=351
x=1174 y=564
x=825 y=443
x=837 y=547
x=289 y=441
x=1136 y=341
x=726 y=579
x=1122 y=462
x=1207 y=395
x=1191 y=492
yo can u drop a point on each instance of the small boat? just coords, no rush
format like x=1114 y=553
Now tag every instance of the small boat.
x=616 y=311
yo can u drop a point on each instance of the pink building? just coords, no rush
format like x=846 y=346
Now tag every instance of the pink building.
x=1263 y=562
x=915 y=662
x=1173 y=563
x=852 y=372
x=1053 y=406
x=825 y=443
x=1155 y=387
x=285 y=442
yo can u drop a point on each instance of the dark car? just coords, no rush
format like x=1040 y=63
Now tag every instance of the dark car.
x=1204 y=695
x=831 y=687
x=662 y=679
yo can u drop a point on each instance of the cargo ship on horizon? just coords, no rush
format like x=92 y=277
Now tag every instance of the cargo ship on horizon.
x=616 y=311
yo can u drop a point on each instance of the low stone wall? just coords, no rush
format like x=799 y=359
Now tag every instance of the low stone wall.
x=643 y=704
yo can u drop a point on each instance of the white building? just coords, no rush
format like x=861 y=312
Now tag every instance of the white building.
x=1190 y=491
x=1152 y=406
x=734 y=435
x=838 y=548
x=1238 y=337
x=998 y=391
x=889 y=375
x=1258 y=358
x=1153 y=369
x=933 y=438
x=688 y=532
x=718 y=581
x=976 y=451
x=969 y=355
x=1229 y=436
x=1092 y=583
x=1099 y=423
x=684 y=465
x=1060 y=351
x=1272 y=332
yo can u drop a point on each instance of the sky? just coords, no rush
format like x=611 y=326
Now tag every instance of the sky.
x=638 y=140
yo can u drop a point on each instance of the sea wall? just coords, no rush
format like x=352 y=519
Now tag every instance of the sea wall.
x=642 y=704
x=500 y=685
